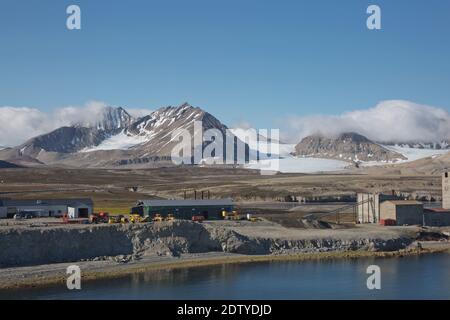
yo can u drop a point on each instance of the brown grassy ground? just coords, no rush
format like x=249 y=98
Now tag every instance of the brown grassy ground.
x=110 y=189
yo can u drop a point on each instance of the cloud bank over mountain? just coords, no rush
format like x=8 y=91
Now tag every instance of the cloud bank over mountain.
x=388 y=121
x=17 y=124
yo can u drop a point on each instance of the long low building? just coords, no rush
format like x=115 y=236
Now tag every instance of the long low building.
x=75 y=208
x=184 y=209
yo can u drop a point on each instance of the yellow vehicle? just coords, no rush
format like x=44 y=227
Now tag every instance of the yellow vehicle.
x=135 y=218
x=170 y=217
x=234 y=215
x=117 y=219
x=113 y=219
x=158 y=218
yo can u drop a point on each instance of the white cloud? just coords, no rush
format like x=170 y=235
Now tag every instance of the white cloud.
x=388 y=121
x=86 y=115
x=17 y=124
x=242 y=125
x=393 y=121
x=139 y=112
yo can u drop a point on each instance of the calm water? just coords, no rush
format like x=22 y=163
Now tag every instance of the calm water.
x=425 y=277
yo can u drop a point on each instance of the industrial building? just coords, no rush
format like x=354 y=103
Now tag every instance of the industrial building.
x=375 y=207
x=75 y=208
x=184 y=209
x=436 y=217
x=404 y=212
x=368 y=206
x=445 y=190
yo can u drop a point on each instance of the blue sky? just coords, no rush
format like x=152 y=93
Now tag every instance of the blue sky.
x=242 y=60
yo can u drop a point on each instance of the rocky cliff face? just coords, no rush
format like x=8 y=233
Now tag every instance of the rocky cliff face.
x=347 y=147
x=34 y=246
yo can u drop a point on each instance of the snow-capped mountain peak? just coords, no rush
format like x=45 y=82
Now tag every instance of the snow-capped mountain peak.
x=110 y=119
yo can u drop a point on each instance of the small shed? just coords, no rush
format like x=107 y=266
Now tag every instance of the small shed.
x=79 y=210
x=404 y=212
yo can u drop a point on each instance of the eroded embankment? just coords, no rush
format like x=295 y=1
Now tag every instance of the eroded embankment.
x=34 y=246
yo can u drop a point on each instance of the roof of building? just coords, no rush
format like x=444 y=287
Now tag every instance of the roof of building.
x=45 y=202
x=440 y=210
x=186 y=203
x=404 y=202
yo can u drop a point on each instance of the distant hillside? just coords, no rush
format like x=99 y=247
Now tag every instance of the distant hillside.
x=434 y=165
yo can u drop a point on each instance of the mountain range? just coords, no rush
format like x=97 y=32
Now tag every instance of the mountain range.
x=118 y=139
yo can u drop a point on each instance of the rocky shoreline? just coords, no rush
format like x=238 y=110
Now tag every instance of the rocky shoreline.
x=46 y=245
x=39 y=255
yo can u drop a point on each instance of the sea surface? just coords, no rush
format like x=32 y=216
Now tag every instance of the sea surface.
x=415 y=277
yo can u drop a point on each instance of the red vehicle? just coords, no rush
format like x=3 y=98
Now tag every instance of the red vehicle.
x=388 y=222
x=101 y=217
x=198 y=218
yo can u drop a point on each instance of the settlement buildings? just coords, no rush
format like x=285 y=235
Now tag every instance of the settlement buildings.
x=381 y=208
x=377 y=208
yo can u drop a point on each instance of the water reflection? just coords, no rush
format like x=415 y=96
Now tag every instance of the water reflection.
x=424 y=277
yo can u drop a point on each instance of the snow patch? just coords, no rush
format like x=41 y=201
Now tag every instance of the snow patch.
x=415 y=153
x=121 y=141
x=301 y=165
x=411 y=154
x=264 y=146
